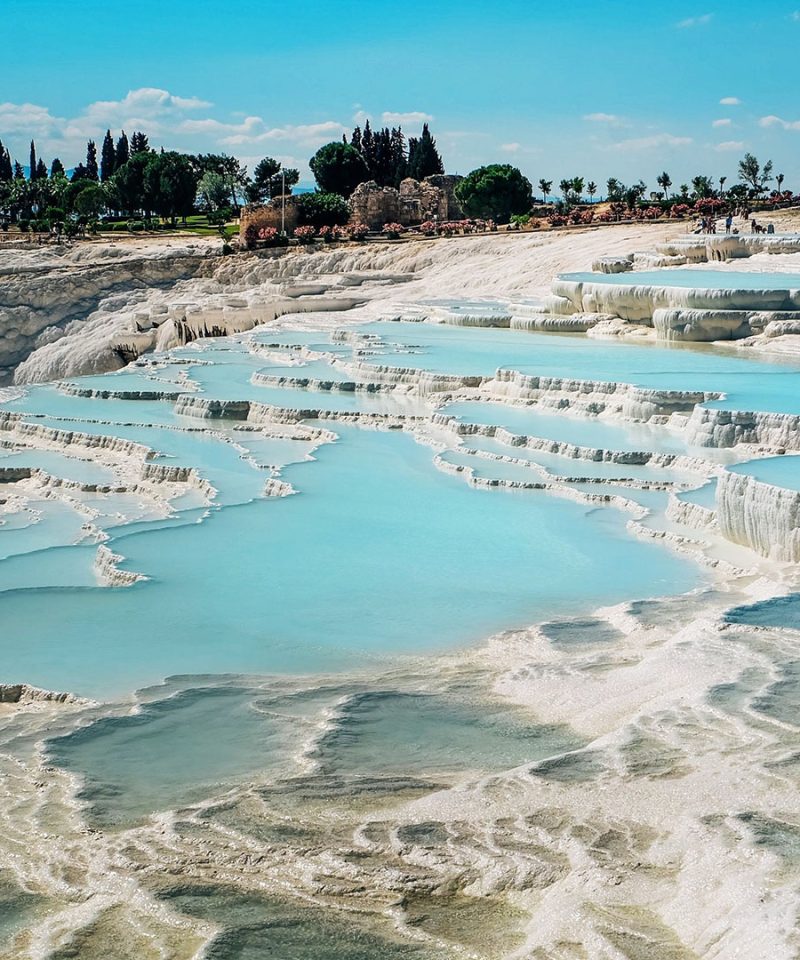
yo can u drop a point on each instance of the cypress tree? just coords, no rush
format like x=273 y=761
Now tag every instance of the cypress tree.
x=6 y=170
x=423 y=157
x=41 y=169
x=32 y=162
x=56 y=168
x=108 y=158
x=92 y=172
x=139 y=143
x=19 y=173
x=123 y=151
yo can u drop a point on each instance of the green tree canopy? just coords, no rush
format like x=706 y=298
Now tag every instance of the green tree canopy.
x=122 y=151
x=212 y=190
x=338 y=168
x=108 y=158
x=269 y=177
x=322 y=209
x=753 y=174
x=498 y=190
x=170 y=184
x=91 y=200
x=424 y=159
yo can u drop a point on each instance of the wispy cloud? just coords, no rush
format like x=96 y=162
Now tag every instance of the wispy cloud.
x=795 y=15
x=723 y=122
x=728 y=146
x=695 y=21
x=611 y=119
x=773 y=121
x=410 y=119
x=730 y=102
x=652 y=142
x=511 y=147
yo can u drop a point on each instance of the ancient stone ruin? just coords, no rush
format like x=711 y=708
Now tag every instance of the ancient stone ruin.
x=417 y=200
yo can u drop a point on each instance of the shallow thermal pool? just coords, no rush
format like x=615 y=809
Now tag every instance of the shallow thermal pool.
x=309 y=641
x=748 y=383
x=779 y=471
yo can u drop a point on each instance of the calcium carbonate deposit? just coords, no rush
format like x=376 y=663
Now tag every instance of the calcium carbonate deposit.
x=356 y=603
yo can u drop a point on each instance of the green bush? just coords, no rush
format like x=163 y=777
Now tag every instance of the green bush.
x=23 y=225
x=498 y=191
x=135 y=226
x=322 y=209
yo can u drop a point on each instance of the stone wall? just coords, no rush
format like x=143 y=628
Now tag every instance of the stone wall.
x=269 y=214
x=415 y=201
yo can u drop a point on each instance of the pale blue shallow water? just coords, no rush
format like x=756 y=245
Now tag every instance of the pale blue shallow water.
x=749 y=384
x=380 y=554
x=779 y=471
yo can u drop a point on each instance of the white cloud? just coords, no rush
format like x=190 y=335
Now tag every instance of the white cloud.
x=730 y=102
x=695 y=21
x=511 y=147
x=652 y=142
x=29 y=119
x=730 y=145
x=795 y=15
x=610 y=118
x=724 y=122
x=412 y=118
x=773 y=121
x=360 y=117
x=303 y=135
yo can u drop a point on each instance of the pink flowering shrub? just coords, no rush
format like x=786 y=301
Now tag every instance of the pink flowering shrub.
x=427 y=228
x=304 y=234
x=681 y=210
x=709 y=205
x=556 y=220
x=268 y=234
x=357 y=231
x=393 y=230
x=330 y=234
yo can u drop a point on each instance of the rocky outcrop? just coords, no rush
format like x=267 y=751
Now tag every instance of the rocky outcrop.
x=44 y=296
x=760 y=516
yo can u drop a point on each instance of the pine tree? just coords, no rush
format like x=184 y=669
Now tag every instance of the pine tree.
x=123 y=151
x=139 y=143
x=57 y=168
x=92 y=172
x=19 y=173
x=32 y=162
x=108 y=158
x=6 y=170
x=41 y=169
x=424 y=159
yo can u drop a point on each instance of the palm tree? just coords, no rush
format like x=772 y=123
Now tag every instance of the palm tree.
x=722 y=185
x=565 y=186
x=545 y=186
x=779 y=179
x=577 y=187
x=665 y=183
x=591 y=189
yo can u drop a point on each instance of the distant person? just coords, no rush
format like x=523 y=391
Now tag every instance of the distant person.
x=753 y=226
x=770 y=228
x=728 y=223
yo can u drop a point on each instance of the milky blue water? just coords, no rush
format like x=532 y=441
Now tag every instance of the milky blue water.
x=380 y=554
x=705 y=496
x=749 y=384
x=779 y=471
x=581 y=431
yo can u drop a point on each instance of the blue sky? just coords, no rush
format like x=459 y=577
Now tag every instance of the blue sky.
x=589 y=88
